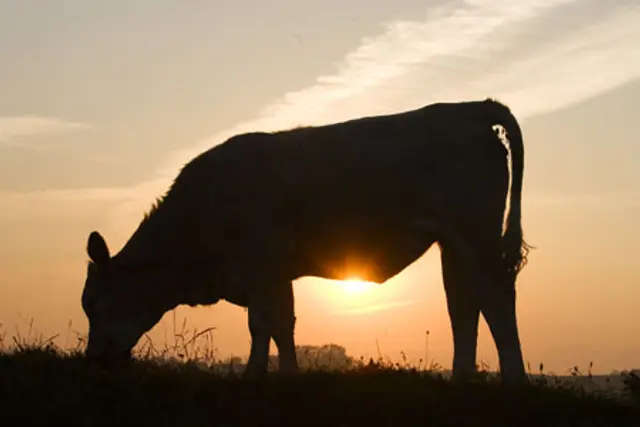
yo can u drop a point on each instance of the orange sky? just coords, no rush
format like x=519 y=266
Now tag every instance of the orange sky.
x=101 y=105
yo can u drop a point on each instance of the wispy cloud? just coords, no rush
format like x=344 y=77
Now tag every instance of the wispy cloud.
x=382 y=63
x=368 y=309
x=17 y=130
x=464 y=50
x=582 y=63
x=461 y=52
x=370 y=78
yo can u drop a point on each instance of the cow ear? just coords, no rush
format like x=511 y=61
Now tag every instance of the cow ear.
x=97 y=249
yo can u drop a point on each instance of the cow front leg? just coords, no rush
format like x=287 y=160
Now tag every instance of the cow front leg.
x=271 y=315
x=283 y=326
x=260 y=340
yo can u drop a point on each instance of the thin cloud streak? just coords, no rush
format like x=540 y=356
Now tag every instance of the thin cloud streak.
x=576 y=66
x=585 y=63
x=406 y=46
x=384 y=60
x=376 y=308
x=14 y=129
x=378 y=62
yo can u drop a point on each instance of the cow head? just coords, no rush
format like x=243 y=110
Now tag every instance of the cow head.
x=120 y=303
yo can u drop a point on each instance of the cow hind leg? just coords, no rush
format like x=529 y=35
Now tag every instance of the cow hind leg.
x=475 y=282
x=499 y=310
x=497 y=302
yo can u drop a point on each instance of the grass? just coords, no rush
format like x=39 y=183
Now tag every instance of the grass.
x=183 y=385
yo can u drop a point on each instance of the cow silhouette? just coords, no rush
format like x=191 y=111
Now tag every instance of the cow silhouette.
x=247 y=217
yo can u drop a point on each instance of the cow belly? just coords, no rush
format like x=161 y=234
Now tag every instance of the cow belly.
x=374 y=256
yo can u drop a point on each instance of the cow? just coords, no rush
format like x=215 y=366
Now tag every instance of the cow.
x=246 y=218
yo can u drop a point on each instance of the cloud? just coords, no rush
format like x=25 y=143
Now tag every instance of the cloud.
x=404 y=47
x=583 y=63
x=376 y=308
x=467 y=49
x=123 y=205
x=14 y=129
x=461 y=52
x=365 y=75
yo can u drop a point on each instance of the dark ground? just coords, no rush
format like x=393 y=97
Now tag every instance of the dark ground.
x=40 y=387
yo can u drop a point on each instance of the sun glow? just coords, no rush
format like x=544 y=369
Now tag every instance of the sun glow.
x=355 y=285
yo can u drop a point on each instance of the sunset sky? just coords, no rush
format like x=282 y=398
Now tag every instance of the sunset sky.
x=101 y=103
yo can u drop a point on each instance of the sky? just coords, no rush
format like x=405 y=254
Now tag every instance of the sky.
x=101 y=103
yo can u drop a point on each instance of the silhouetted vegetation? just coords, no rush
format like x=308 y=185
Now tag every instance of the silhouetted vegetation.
x=185 y=385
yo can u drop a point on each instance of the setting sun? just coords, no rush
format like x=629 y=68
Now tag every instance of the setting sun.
x=355 y=285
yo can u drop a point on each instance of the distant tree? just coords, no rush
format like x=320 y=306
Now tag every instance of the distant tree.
x=326 y=356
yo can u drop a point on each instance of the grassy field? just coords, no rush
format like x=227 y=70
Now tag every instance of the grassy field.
x=44 y=385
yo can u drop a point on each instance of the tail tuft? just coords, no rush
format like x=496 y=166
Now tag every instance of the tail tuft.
x=515 y=249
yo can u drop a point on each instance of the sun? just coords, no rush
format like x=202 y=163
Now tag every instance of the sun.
x=355 y=285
